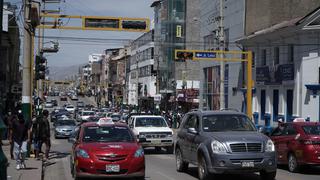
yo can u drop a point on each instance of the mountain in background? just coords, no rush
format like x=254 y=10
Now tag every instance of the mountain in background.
x=63 y=73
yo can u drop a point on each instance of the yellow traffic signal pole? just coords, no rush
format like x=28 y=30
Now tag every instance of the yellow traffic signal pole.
x=215 y=56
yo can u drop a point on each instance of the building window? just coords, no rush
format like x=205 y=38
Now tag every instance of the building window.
x=264 y=57
x=290 y=53
x=276 y=55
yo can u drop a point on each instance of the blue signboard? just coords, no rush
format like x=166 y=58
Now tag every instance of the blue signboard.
x=205 y=55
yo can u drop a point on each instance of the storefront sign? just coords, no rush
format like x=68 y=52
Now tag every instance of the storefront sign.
x=275 y=75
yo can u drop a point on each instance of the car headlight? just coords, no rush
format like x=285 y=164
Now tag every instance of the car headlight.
x=269 y=146
x=218 y=147
x=139 y=153
x=169 y=134
x=141 y=135
x=82 y=153
x=58 y=130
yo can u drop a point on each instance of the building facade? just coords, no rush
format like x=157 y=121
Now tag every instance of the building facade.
x=286 y=69
x=233 y=20
x=143 y=74
x=10 y=76
x=176 y=28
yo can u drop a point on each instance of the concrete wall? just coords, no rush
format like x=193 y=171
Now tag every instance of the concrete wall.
x=261 y=14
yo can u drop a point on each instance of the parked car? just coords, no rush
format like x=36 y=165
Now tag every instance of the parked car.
x=64 y=128
x=297 y=144
x=106 y=151
x=221 y=142
x=155 y=129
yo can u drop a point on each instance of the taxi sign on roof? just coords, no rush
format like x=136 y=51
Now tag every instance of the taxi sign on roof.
x=299 y=120
x=106 y=120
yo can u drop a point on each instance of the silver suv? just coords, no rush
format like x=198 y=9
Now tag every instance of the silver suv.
x=222 y=142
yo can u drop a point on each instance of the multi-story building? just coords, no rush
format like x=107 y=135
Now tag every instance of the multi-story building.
x=233 y=20
x=286 y=59
x=142 y=78
x=10 y=77
x=176 y=28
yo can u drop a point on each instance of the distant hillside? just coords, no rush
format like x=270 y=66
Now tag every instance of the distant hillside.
x=62 y=73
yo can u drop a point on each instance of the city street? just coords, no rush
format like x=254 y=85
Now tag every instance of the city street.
x=144 y=88
x=159 y=165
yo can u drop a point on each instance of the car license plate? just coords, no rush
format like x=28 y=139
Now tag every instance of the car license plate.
x=156 y=141
x=113 y=168
x=247 y=164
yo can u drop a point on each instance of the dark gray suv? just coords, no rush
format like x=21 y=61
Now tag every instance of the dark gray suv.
x=222 y=142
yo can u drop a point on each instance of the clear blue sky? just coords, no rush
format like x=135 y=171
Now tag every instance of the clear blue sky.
x=77 y=52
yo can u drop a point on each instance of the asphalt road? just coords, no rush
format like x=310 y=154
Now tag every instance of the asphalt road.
x=159 y=166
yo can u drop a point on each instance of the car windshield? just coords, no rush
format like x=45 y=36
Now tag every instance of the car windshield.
x=66 y=123
x=151 y=122
x=88 y=113
x=107 y=134
x=215 y=123
x=312 y=129
x=70 y=107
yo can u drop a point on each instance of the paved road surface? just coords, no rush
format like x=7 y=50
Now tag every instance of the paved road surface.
x=159 y=166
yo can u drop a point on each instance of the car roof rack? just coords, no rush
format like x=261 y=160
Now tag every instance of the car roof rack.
x=229 y=109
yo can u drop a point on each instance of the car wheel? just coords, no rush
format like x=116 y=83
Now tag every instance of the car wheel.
x=268 y=175
x=203 y=172
x=292 y=163
x=181 y=165
x=170 y=150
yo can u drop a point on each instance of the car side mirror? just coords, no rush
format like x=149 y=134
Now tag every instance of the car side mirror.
x=142 y=140
x=192 y=131
x=72 y=140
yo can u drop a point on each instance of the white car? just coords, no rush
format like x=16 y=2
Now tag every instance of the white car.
x=70 y=108
x=84 y=115
x=154 y=129
x=48 y=104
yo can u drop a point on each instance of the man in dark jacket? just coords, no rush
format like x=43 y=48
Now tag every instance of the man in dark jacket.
x=41 y=130
x=20 y=136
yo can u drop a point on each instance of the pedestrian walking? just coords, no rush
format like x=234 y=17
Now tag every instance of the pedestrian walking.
x=20 y=137
x=9 y=121
x=41 y=130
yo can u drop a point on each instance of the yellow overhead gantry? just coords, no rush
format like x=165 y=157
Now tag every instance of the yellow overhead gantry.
x=102 y=23
x=230 y=56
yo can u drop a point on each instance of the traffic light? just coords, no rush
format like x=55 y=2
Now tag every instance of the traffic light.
x=40 y=67
x=184 y=55
x=135 y=25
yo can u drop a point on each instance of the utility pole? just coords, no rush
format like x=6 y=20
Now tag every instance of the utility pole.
x=222 y=48
x=138 y=58
x=26 y=79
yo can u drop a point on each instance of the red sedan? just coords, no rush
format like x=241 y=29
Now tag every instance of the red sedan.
x=297 y=144
x=106 y=150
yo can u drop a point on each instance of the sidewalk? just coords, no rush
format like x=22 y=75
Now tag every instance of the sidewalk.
x=32 y=171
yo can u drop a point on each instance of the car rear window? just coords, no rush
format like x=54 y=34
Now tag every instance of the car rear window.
x=150 y=122
x=107 y=134
x=88 y=113
x=216 y=123
x=66 y=123
x=312 y=129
